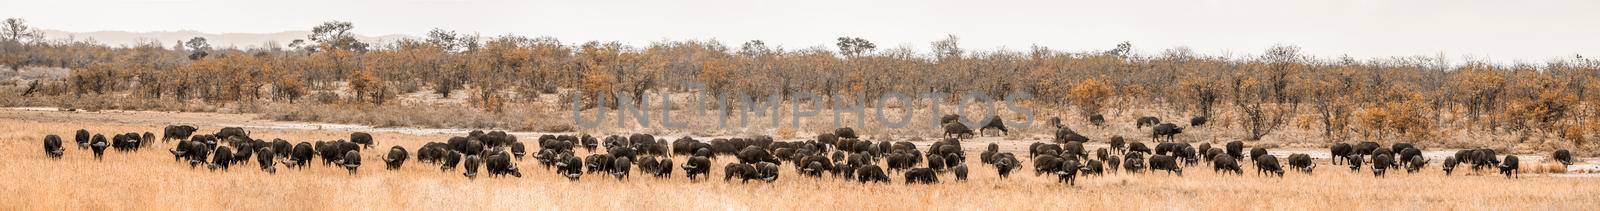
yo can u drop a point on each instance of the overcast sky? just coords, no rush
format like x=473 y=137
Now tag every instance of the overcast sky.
x=1504 y=31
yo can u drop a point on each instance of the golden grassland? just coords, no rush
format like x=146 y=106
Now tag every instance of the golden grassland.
x=150 y=180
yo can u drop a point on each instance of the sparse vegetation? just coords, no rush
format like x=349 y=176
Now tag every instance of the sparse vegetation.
x=1425 y=100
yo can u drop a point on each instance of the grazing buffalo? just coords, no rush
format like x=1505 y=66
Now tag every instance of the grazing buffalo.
x=500 y=164
x=198 y=154
x=1167 y=130
x=1366 y=148
x=1563 y=156
x=362 y=138
x=1198 y=121
x=1113 y=163
x=1098 y=120
x=351 y=161
x=223 y=157
x=1235 y=149
x=1138 y=147
x=82 y=138
x=52 y=146
x=664 y=168
x=570 y=166
x=1005 y=163
x=1117 y=144
x=1166 y=148
x=1164 y=162
x=1382 y=163
x=282 y=147
x=1094 y=167
x=697 y=165
x=1509 y=167
x=960 y=171
x=180 y=132
x=1355 y=163
x=1146 y=121
x=766 y=171
x=994 y=123
x=871 y=173
x=1067 y=172
x=1416 y=164
x=518 y=150
x=1225 y=163
x=230 y=132
x=1256 y=153
x=1450 y=164
x=620 y=167
x=957 y=130
x=264 y=158
x=301 y=155
x=1340 y=152
x=845 y=132
x=741 y=171
x=936 y=162
x=471 y=166
x=1401 y=147
x=451 y=159
x=1268 y=164
x=1409 y=154
x=1133 y=163
x=1484 y=158
x=1302 y=162
x=921 y=175
x=397 y=156
x=99 y=144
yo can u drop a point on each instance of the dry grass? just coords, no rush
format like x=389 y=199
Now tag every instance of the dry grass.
x=150 y=180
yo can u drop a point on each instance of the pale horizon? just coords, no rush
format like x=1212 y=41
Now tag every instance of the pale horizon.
x=1500 y=32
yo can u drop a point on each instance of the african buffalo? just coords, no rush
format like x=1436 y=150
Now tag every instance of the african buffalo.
x=1225 y=163
x=957 y=130
x=1563 y=156
x=1268 y=164
x=1167 y=130
x=223 y=158
x=180 y=132
x=1302 y=162
x=52 y=146
x=871 y=173
x=264 y=159
x=1381 y=163
x=397 y=156
x=362 y=138
x=500 y=164
x=351 y=161
x=697 y=165
x=470 y=165
x=1340 y=152
x=1164 y=162
x=1450 y=164
x=98 y=144
x=1198 y=121
x=1146 y=121
x=995 y=123
x=921 y=175
x=1509 y=167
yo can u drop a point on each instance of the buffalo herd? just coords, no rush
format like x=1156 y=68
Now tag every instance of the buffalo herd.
x=841 y=153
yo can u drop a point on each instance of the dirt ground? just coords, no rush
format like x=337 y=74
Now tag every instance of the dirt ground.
x=150 y=180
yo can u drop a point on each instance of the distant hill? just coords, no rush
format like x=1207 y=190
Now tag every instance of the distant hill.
x=222 y=40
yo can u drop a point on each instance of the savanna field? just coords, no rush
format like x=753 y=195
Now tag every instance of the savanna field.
x=150 y=179
x=327 y=85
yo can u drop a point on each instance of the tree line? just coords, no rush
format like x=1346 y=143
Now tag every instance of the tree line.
x=1403 y=97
